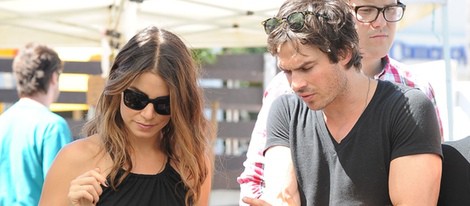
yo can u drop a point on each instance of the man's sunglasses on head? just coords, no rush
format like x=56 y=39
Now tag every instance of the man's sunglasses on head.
x=295 y=21
x=365 y=14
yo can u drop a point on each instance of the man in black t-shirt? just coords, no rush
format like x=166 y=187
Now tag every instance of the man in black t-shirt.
x=343 y=138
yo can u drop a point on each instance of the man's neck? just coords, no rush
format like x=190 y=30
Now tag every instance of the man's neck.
x=343 y=114
x=41 y=98
x=351 y=101
x=372 y=67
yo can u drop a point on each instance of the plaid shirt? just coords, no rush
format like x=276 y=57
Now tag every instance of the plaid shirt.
x=251 y=180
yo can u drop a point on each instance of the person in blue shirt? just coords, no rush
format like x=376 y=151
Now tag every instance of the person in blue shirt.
x=30 y=134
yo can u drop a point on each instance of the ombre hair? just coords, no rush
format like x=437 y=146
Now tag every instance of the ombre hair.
x=188 y=135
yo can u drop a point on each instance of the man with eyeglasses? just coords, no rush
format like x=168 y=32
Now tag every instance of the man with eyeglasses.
x=376 y=25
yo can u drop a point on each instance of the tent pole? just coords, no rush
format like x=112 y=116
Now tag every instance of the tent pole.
x=449 y=76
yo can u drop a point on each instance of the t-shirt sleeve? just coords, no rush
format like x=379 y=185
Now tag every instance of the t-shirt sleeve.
x=58 y=135
x=279 y=119
x=416 y=127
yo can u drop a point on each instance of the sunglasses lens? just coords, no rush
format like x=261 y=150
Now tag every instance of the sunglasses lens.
x=138 y=101
x=296 y=21
x=135 y=100
x=162 y=105
x=271 y=24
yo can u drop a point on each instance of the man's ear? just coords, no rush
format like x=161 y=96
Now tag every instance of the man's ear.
x=345 y=56
x=55 y=78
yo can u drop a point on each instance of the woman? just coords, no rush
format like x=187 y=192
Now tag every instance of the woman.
x=149 y=142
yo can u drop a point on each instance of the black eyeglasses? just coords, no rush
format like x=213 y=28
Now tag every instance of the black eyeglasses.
x=296 y=21
x=391 y=13
x=138 y=101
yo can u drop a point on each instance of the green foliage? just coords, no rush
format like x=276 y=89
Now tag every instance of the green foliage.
x=204 y=56
x=244 y=50
x=209 y=56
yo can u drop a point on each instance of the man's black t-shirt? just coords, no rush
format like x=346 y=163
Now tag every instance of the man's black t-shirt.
x=398 y=121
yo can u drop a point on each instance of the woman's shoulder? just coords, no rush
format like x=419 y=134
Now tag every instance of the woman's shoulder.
x=82 y=152
x=83 y=145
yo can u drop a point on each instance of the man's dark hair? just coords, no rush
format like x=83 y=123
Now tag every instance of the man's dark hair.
x=330 y=27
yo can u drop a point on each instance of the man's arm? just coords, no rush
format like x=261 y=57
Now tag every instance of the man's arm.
x=415 y=179
x=416 y=165
x=251 y=180
x=280 y=179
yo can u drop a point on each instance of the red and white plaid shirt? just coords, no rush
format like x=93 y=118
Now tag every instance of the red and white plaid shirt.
x=251 y=180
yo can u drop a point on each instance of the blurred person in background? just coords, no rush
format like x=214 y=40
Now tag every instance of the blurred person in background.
x=30 y=134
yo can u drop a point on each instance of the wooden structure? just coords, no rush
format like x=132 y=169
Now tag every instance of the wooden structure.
x=233 y=97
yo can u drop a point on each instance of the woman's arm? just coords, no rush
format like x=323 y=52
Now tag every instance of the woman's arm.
x=206 y=186
x=72 y=173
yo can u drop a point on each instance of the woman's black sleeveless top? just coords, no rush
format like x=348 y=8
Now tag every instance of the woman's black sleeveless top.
x=163 y=189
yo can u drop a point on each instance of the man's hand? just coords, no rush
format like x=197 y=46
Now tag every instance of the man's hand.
x=255 y=202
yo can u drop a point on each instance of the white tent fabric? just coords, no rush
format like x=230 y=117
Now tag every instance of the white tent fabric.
x=201 y=23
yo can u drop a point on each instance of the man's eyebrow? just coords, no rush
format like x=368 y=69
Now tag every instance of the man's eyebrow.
x=303 y=65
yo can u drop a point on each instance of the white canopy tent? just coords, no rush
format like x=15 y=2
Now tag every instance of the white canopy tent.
x=201 y=23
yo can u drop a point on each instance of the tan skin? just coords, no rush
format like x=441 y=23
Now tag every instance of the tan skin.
x=413 y=179
x=82 y=166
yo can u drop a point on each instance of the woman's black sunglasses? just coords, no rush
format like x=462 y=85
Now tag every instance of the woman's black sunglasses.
x=138 y=101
